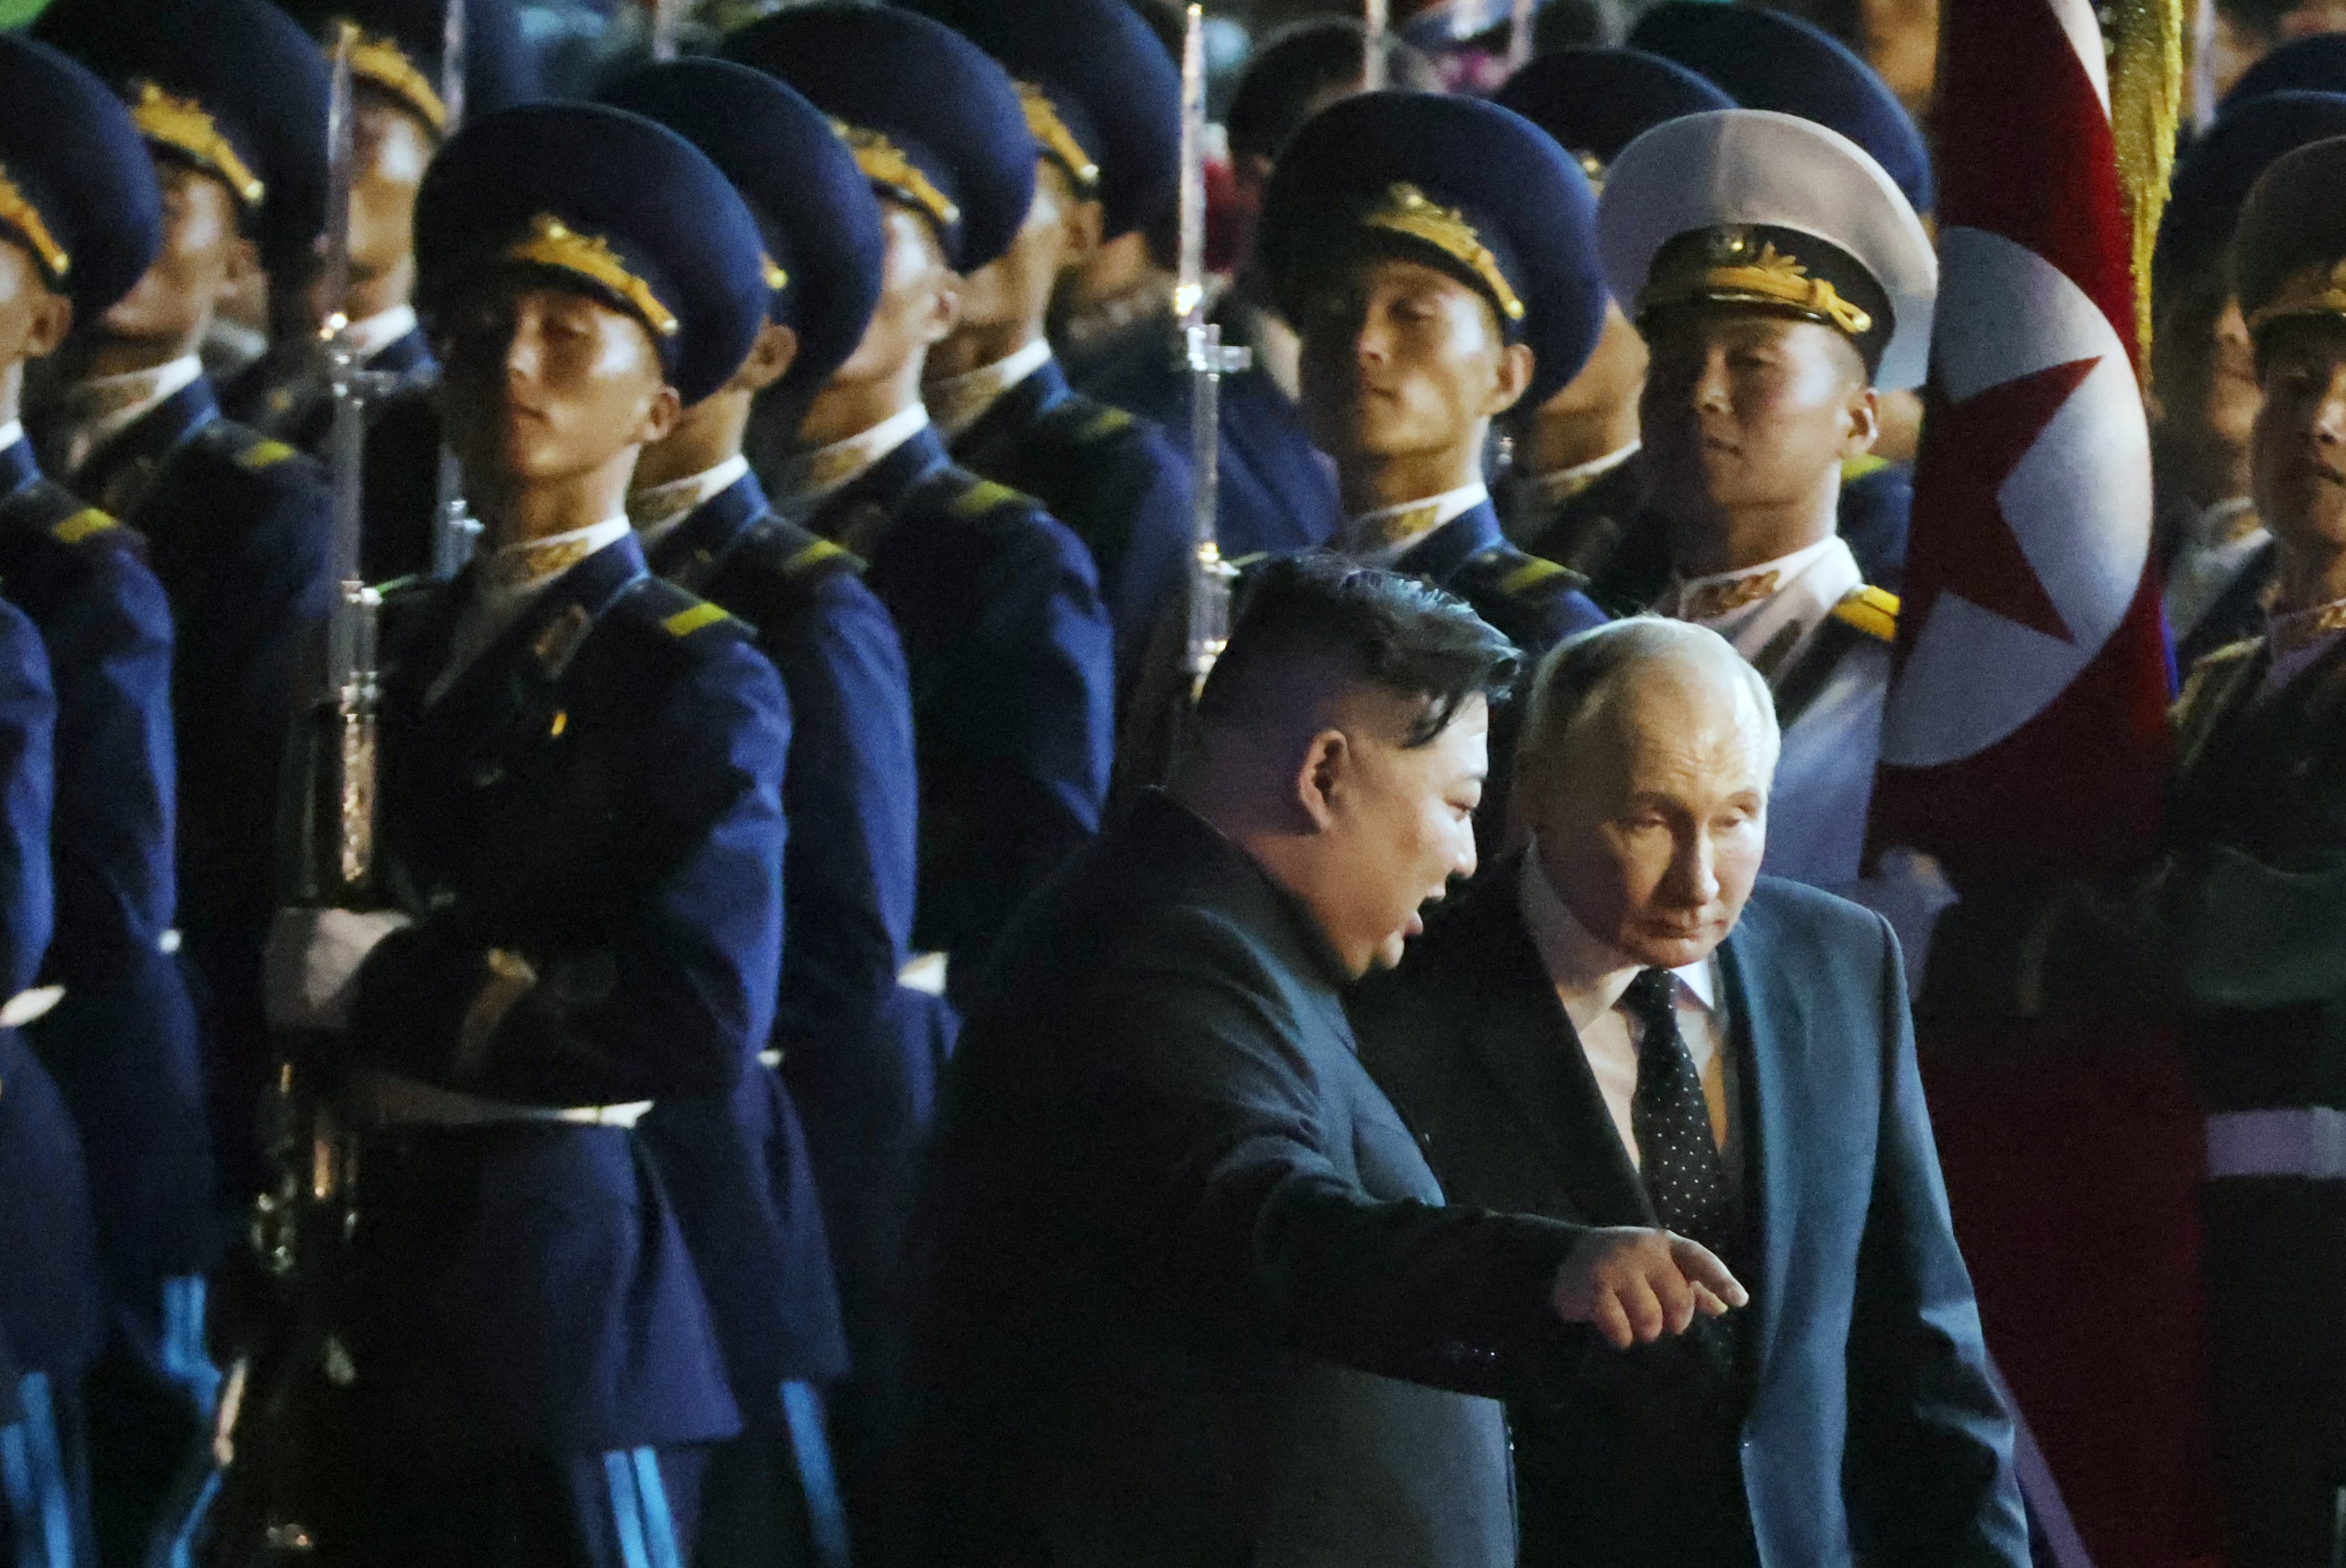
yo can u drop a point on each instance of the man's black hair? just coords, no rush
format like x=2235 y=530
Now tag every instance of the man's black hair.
x=1376 y=627
x=1293 y=71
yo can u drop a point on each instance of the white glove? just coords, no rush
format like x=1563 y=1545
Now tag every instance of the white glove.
x=1910 y=889
x=311 y=970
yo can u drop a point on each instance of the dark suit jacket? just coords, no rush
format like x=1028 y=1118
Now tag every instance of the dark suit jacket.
x=1190 y=1295
x=1862 y=1410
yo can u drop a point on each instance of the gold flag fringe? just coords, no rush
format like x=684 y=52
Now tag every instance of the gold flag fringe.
x=2145 y=43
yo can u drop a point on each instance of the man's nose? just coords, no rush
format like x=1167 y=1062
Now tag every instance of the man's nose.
x=1694 y=870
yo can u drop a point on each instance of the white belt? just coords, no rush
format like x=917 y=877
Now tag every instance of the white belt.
x=2305 y=1141
x=388 y=1100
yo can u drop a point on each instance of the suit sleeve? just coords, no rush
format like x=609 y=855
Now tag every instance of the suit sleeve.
x=1931 y=1468
x=679 y=991
x=1213 y=1128
x=28 y=714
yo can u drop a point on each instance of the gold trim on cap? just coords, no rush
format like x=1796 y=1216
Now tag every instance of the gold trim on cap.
x=1406 y=209
x=553 y=243
x=184 y=126
x=381 y=60
x=1727 y=268
x=20 y=214
x=776 y=279
x=884 y=163
x=1057 y=141
x=2319 y=289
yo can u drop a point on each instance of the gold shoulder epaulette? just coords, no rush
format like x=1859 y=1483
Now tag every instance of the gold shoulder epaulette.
x=692 y=618
x=81 y=525
x=811 y=556
x=1871 y=610
x=2229 y=652
x=1108 y=422
x=263 y=453
x=1530 y=573
x=980 y=498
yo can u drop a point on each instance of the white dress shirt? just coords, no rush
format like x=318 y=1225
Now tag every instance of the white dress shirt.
x=801 y=484
x=1591 y=976
x=1559 y=485
x=369 y=335
x=1383 y=537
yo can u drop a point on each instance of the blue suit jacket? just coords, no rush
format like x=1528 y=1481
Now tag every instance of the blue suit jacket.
x=49 y=1291
x=1012 y=676
x=1111 y=478
x=600 y=795
x=122 y=1045
x=236 y=530
x=1859 y=1423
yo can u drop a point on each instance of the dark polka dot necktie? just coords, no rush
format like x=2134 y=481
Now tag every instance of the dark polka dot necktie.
x=1671 y=1120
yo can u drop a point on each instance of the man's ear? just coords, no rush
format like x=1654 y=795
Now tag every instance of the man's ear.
x=1864 y=422
x=1516 y=363
x=1082 y=230
x=770 y=359
x=1324 y=775
x=944 y=308
x=661 y=411
x=243 y=266
x=52 y=322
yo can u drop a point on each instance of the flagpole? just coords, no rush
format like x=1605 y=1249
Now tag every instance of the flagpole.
x=1373 y=45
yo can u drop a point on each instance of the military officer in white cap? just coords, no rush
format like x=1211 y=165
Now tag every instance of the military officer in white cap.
x=1783 y=283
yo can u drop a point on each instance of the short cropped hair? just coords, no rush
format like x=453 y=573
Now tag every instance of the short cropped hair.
x=1320 y=612
x=1583 y=672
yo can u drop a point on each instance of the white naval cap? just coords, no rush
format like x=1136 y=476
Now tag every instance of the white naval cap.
x=1777 y=211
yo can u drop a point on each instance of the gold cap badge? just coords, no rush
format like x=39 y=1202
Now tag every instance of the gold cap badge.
x=884 y=163
x=1734 y=266
x=1405 y=210
x=185 y=126
x=553 y=243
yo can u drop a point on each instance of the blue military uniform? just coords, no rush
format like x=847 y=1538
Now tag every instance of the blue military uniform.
x=585 y=822
x=1767 y=60
x=1009 y=649
x=1104 y=102
x=286 y=394
x=52 y=1303
x=845 y=1107
x=121 y=1043
x=236 y=524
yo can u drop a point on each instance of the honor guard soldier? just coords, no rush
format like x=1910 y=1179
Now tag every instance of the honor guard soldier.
x=1767 y=60
x=855 y=1059
x=2217 y=556
x=1104 y=102
x=1576 y=491
x=1779 y=278
x=53 y=1307
x=1009 y=649
x=582 y=830
x=400 y=120
x=2233 y=934
x=230 y=96
x=80 y=221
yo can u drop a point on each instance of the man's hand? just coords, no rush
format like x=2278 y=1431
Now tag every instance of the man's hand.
x=312 y=963
x=1636 y=1285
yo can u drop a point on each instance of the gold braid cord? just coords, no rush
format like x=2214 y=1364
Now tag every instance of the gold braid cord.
x=2146 y=83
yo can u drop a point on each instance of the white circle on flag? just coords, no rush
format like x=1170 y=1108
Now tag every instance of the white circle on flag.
x=2078 y=504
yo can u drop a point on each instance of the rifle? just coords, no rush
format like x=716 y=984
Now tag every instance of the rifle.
x=263 y=1514
x=1209 y=362
x=455 y=530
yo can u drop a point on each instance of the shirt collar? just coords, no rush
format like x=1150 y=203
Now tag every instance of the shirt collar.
x=11 y=433
x=369 y=335
x=1767 y=610
x=105 y=406
x=1590 y=975
x=2300 y=639
x=1379 y=538
x=1559 y=485
x=959 y=402
x=656 y=510
x=804 y=483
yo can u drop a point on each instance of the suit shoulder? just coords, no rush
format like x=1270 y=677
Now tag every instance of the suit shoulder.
x=1011 y=518
x=679 y=625
x=797 y=557
x=1532 y=599
x=62 y=520
x=263 y=458
x=1796 y=907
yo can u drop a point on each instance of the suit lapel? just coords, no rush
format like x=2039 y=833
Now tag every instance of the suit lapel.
x=1524 y=1040
x=1770 y=1031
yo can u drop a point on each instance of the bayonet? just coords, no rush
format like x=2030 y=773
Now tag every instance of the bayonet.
x=1209 y=362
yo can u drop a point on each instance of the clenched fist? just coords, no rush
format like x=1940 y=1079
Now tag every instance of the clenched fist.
x=1636 y=1285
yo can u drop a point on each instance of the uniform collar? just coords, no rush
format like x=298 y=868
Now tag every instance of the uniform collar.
x=524 y=568
x=1559 y=485
x=1590 y=975
x=959 y=402
x=688 y=553
x=1381 y=538
x=502 y=589
x=657 y=511
x=2299 y=639
x=99 y=409
x=804 y=483
x=1439 y=556
x=369 y=335
x=1768 y=611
